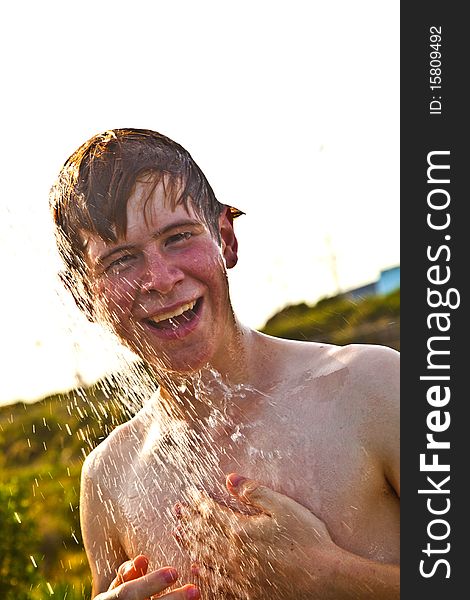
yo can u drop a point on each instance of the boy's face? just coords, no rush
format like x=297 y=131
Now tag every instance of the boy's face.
x=163 y=287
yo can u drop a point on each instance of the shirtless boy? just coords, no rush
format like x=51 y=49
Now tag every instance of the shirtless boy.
x=262 y=468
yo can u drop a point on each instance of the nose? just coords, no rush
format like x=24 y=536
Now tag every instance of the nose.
x=161 y=275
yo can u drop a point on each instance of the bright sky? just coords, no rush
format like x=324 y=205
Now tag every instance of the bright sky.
x=290 y=109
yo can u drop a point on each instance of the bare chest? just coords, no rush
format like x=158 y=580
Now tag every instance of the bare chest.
x=325 y=468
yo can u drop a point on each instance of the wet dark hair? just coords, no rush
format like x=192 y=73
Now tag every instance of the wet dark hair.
x=95 y=183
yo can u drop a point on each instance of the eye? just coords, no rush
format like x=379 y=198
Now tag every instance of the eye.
x=179 y=237
x=120 y=264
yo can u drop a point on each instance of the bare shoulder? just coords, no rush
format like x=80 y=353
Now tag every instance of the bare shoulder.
x=372 y=369
x=367 y=367
x=374 y=373
x=361 y=381
x=360 y=385
x=368 y=357
x=373 y=376
x=107 y=458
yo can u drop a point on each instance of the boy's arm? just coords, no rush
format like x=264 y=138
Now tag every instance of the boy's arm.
x=104 y=551
x=377 y=371
x=286 y=549
x=115 y=577
x=314 y=565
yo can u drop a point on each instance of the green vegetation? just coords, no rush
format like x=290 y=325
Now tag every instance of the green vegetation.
x=42 y=447
x=340 y=320
x=18 y=542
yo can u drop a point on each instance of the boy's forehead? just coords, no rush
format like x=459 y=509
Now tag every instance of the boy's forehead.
x=154 y=204
x=149 y=209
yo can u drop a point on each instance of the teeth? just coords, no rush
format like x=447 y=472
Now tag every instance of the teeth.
x=171 y=315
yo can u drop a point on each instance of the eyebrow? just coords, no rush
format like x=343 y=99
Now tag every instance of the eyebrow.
x=158 y=233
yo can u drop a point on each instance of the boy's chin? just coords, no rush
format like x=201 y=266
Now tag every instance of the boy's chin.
x=181 y=362
x=178 y=366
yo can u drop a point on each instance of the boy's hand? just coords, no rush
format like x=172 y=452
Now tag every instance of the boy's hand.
x=132 y=582
x=284 y=548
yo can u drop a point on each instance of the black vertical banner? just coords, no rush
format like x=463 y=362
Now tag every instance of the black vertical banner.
x=435 y=164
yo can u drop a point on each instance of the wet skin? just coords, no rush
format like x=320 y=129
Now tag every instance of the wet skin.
x=314 y=422
x=167 y=260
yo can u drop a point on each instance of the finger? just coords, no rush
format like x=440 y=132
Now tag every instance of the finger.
x=131 y=569
x=254 y=528
x=181 y=537
x=262 y=497
x=204 y=514
x=187 y=592
x=180 y=508
x=198 y=502
x=215 y=513
x=184 y=512
x=147 y=585
x=201 y=502
x=210 y=520
x=195 y=568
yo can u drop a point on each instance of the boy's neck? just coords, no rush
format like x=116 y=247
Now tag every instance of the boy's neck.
x=237 y=373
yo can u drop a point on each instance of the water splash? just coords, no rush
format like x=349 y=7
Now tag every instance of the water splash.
x=177 y=447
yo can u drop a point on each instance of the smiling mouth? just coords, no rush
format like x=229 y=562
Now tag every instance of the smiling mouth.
x=176 y=318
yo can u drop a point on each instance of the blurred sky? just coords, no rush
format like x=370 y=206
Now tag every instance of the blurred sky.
x=290 y=108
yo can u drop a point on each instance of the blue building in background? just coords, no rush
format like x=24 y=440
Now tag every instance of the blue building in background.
x=389 y=281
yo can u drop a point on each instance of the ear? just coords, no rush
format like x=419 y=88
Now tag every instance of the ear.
x=227 y=236
x=79 y=293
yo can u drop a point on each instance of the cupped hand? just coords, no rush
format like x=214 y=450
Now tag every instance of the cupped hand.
x=281 y=551
x=132 y=582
